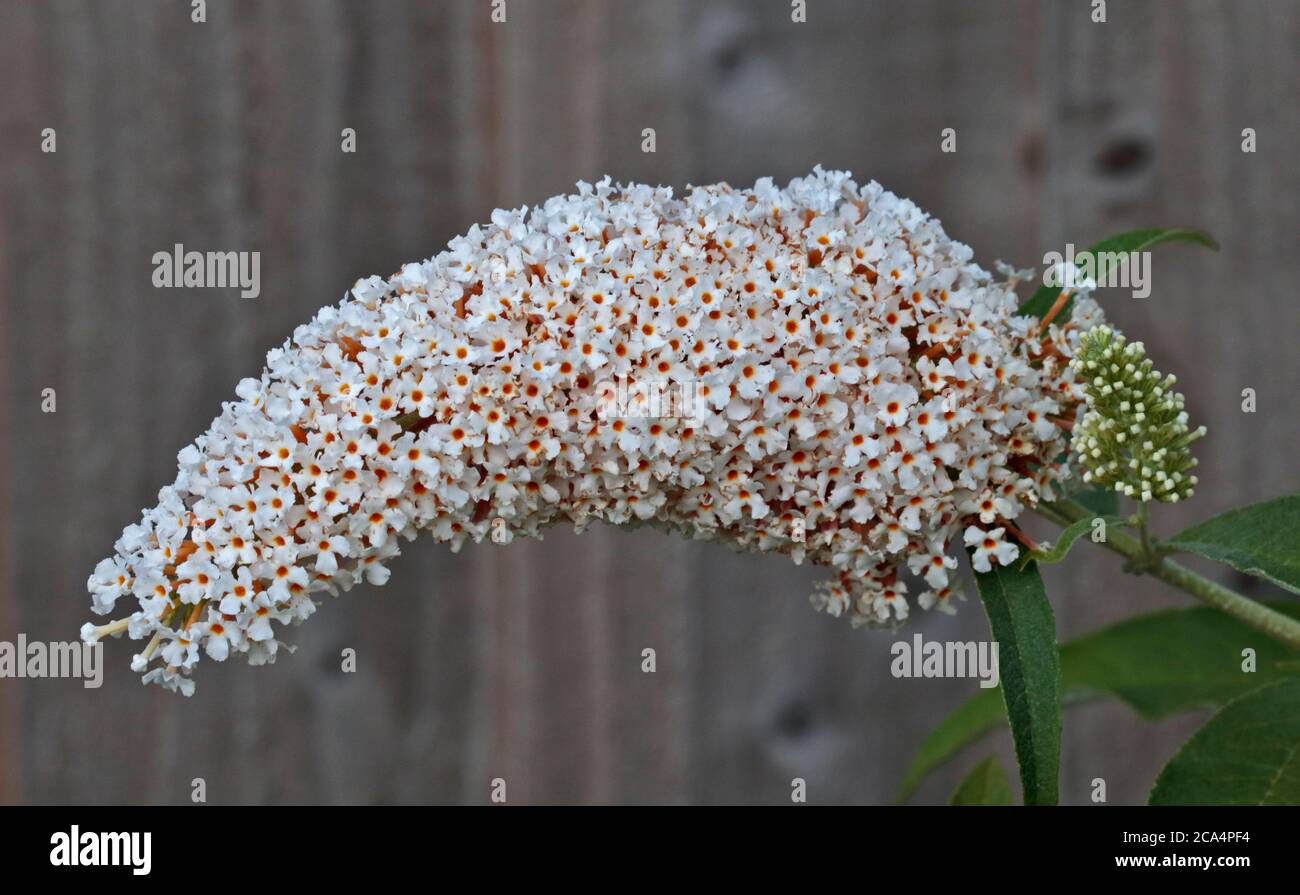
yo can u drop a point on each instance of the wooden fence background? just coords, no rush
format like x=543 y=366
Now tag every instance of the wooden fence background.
x=523 y=662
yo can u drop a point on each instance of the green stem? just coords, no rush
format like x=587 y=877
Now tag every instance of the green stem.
x=1146 y=535
x=1142 y=559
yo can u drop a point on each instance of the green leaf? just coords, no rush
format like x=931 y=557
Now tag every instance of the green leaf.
x=1158 y=664
x=1173 y=661
x=968 y=722
x=986 y=784
x=1025 y=630
x=1247 y=754
x=1262 y=539
x=1057 y=551
x=1141 y=240
x=1044 y=297
x=1102 y=501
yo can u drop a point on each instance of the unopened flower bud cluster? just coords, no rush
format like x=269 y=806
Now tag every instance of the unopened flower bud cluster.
x=1134 y=437
x=872 y=403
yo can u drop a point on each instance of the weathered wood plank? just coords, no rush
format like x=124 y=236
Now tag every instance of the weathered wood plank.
x=523 y=662
x=1146 y=113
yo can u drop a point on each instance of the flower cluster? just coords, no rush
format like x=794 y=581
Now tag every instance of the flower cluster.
x=1134 y=437
x=871 y=402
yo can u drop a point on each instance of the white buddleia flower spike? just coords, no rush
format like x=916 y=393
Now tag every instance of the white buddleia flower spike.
x=843 y=384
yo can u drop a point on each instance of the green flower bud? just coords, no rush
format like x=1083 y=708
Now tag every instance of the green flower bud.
x=1134 y=436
